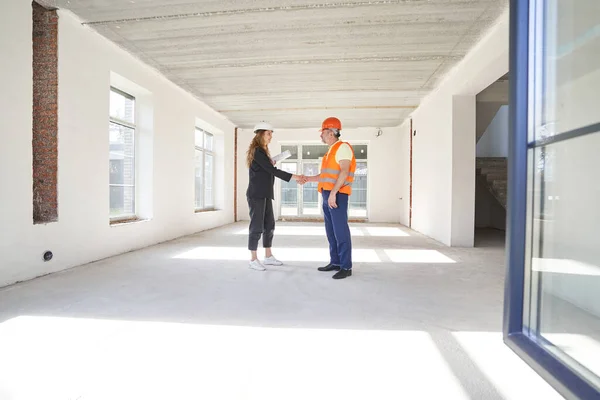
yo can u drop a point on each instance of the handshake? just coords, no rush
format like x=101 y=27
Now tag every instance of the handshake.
x=301 y=179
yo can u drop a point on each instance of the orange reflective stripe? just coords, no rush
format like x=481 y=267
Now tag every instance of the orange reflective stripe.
x=330 y=171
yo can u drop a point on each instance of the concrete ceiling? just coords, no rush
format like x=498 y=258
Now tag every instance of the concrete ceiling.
x=294 y=63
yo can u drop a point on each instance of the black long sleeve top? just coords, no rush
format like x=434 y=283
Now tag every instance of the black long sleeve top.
x=262 y=175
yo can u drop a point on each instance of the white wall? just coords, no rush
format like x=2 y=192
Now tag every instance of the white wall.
x=83 y=232
x=404 y=155
x=463 y=160
x=432 y=169
x=387 y=199
x=444 y=196
x=494 y=141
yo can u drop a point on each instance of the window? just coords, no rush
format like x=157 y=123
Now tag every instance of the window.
x=204 y=171
x=304 y=200
x=552 y=315
x=564 y=261
x=357 y=203
x=289 y=190
x=122 y=132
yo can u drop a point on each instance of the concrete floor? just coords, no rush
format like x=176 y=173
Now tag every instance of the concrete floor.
x=188 y=320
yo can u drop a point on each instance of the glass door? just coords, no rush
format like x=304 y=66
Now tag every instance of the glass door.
x=289 y=191
x=357 y=203
x=304 y=200
x=563 y=145
x=311 y=198
x=552 y=316
x=310 y=157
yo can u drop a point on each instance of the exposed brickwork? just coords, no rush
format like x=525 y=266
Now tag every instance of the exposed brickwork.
x=45 y=115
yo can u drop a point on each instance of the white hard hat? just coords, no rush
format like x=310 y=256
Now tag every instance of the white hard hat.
x=264 y=126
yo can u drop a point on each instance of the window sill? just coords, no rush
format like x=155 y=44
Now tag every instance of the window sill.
x=127 y=221
x=206 y=210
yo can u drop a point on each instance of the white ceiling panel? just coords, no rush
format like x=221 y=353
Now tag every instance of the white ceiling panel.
x=294 y=63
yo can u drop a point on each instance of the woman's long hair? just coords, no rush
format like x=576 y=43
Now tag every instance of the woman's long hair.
x=257 y=141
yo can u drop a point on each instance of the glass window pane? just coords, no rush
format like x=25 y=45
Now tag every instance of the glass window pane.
x=360 y=151
x=565 y=251
x=310 y=195
x=121 y=170
x=199 y=138
x=568 y=71
x=208 y=141
x=208 y=181
x=529 y=300
x=289 y=190
x=293 y=150
x=199 y=181
x=357 y=203
x=314 y=151
x=122 y=107
x=122 y=201
x=121 y=154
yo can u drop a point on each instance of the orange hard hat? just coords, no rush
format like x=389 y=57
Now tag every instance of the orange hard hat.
x=331 y=123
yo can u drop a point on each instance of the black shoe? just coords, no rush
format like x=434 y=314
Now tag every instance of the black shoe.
x=343 y=273
x=329 y=267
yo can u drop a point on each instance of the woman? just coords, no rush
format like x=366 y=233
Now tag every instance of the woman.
x=260 y=194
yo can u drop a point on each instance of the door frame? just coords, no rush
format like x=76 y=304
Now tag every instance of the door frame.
x=299 y=168
x=410 y=194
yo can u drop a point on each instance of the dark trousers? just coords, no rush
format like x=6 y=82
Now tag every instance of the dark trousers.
x=262 y=222
x=338 y=231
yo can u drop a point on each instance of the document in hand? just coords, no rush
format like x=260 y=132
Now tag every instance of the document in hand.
x=282 y=156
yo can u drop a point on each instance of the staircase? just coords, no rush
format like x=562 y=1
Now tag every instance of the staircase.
x=493 y=173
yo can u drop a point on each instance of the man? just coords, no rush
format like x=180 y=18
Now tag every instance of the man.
x=335 y=184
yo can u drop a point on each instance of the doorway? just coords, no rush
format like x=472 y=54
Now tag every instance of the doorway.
x=304 y=201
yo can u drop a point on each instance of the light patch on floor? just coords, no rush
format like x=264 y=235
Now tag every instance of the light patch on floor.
x=488 y=352
x=94 y=359
x=385 y=231
x=318 y=255
x=288 y=254
x=379 y=231
x=417 y=256
x=188 y=319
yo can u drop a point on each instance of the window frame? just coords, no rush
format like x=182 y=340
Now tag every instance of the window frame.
x=524 y=66
x=300 y=161
x=203 y=150
x=126 y=124
x=358 y=217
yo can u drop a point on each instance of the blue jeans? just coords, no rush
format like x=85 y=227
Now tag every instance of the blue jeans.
x=338 y=231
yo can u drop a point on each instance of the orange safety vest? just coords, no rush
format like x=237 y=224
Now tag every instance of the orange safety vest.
x=330 y=171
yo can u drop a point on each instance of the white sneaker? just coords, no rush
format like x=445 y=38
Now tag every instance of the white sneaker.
x=271 y=261
x=255 y=264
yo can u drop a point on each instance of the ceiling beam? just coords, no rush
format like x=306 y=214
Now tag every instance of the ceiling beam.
x=319 y=108
x=251 y=10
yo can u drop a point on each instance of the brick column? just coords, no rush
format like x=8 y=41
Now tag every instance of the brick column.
x=45 y=115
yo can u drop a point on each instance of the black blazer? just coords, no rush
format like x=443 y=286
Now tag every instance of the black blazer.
x=262 y=176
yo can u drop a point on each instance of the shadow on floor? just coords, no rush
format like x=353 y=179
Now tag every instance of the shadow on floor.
x=490 y=238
